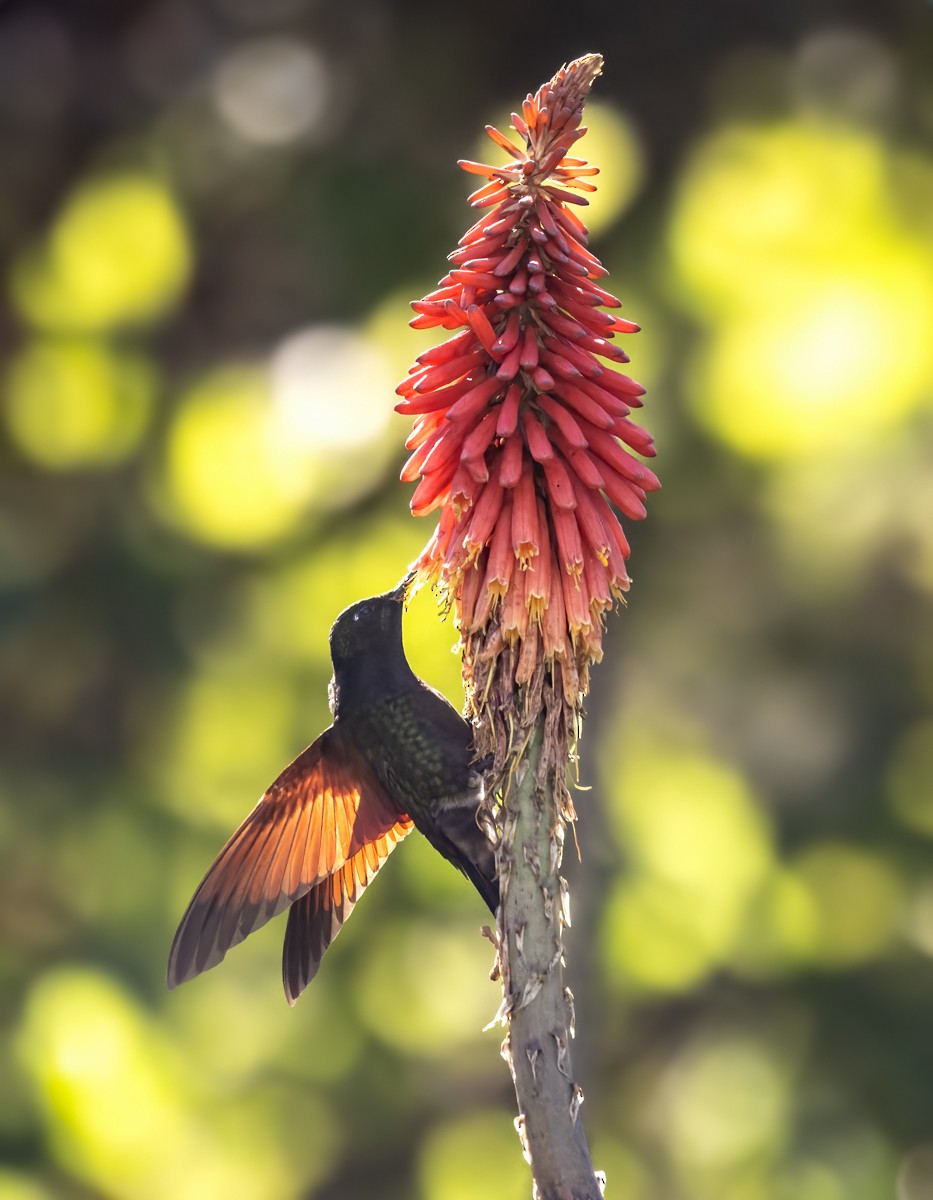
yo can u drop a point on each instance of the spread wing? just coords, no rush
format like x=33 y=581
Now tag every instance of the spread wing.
x=316 y=919
x=324 y=812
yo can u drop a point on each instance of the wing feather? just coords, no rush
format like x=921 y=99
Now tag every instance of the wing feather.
x=322 y=813
x=315 y=919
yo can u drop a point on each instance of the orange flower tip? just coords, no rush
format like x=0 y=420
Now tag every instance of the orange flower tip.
x=535 y=606
x=422 y=510
x=620 y=326
x=472 y=552
x=485 y=201
x=503 y=142
x=475 y=168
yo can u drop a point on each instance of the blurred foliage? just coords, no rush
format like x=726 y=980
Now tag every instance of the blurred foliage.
x=211 y=218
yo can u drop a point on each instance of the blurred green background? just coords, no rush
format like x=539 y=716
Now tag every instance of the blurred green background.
x=212 y=215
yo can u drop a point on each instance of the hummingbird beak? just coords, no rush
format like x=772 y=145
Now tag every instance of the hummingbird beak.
x=400 y=592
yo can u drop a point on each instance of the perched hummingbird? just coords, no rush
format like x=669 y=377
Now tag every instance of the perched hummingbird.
x=397 y=754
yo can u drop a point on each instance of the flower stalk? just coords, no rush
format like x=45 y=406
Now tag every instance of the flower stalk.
x=523 y=440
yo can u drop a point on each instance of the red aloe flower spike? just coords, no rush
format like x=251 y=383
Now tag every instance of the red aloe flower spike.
x=524 y=396
x=522 y=438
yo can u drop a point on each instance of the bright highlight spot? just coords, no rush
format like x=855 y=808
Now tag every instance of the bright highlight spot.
x=229 y=479
x=758 y=204
x=89 y=1050
x=795 y=245
x=396 y=993
x=699 y=850
x=858 y=901
x=332 y=389
x=728 y=1101
x=273 y=91
x=830 y=370
x=780 y=930
x=477 y=1155
x=252 y=451
x=78 y=404
x=250 y=709
x=117 y=254
x=124 y=1114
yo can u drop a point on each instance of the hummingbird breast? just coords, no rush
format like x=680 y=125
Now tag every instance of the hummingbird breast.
x=421 y=750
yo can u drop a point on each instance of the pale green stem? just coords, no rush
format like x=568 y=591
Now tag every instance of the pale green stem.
x=537 y=1008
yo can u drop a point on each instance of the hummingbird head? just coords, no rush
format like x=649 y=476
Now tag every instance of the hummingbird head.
x=370 y=628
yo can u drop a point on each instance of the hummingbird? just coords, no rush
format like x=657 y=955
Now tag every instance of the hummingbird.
x=398 y=755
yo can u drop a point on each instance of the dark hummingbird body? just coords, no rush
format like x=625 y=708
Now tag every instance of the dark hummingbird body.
x=397 y=754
